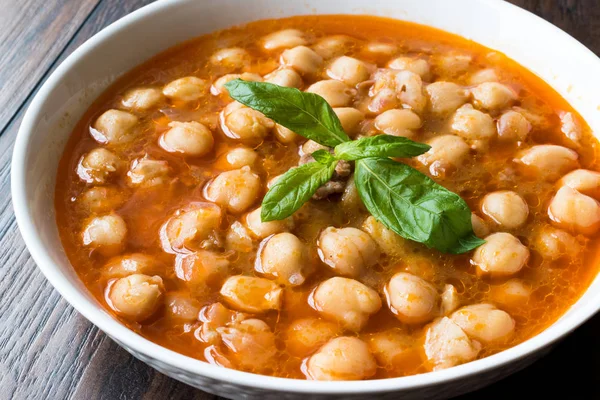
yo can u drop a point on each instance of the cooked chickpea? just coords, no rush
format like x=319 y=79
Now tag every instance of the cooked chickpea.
x=147 y=172
x=134 y=263
x=547 y=161
x=232 y=58
x=409 y=89
x=188 y=138
x=449 y=299
x=389 y=241
x=102 y=199
x=240 y=157
x=453 y=64
x=341 y=359
x=310 y=146
x=480 y=227
x=236 y=190
x=447 y=345
x=285 y=258
x=284 y=39
x=142 y=99
x=513 y=126
x=349 y=251
x=416 y=65
x=398 y=122
x=251 y=294
x=180 y=306
x=238 y=238
x=493 y=96
x=554 y=243
x=336 y=93
x=447 y=154
x=571 y=127
x=213 y=317
x=286 y=77
x=333 y=46
x=412 y=299
x=136 y=297
x=380 y=48
x=472 y=124
x=98 y=166
x=218 y=87
x=251 y=343
x=115 y=127
x=285 y=135
x=261 y=229
x=584 y=181
x=392 y=348
x=191 y=225
x=105 y=233
x=246 y=124
x=350 y=118
x=348 y=70
x=304 y=336
x=484 y=322
x=575 y=211
x=482 y=76
x=445 y=97
x=513 y=293
x=505 y=208
x=346 y=301
x=302 y=59
x=502 y=255
x=187 y=89
x=202 y=268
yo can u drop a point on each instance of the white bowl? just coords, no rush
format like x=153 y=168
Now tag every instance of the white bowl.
x=556 y=57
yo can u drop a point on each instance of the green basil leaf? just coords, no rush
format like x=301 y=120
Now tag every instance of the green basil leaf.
x=293 y=189
x=307 y=114
x=380 y=146
x=323 y=156
x=414 y=206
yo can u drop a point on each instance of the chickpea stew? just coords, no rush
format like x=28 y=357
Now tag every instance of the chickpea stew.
x=160 y=187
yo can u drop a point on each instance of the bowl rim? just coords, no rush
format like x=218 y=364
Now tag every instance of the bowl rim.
x=93 y=312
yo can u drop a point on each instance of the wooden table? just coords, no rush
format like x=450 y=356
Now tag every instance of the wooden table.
x=47 y=350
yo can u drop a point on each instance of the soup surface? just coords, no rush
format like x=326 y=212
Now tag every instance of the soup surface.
x=159 y=189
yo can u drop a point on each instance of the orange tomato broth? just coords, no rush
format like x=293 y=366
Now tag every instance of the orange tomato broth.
x=556 y=285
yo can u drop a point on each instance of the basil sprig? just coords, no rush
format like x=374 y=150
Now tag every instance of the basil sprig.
x=397 y=195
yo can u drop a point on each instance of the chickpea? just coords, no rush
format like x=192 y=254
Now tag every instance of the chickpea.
x=514 y=293
x=446 y=155
x=382 y=49
x=285 y=135
x=447 y=345
x=341 y=359
x=584 y=181
x=147 y=172
x=235 y=190
x=480 y=227
x=389 y=241
x=346 y=301
x=409 y=89
x=493 y=96
x=472 y=124
x=513 y=126
x=554 y=243
x=445 y=97
x=250 y=294
x=190 y=225
x=349 y=251
x=284 y=39
x=134 y=263
x=349 y=70
x=115 y=127
x=304 y=336
x=105 y=233
x=238 y=238
x=286 y=77
x=505 y=208
x=188 y=138
x=285 y=258
x=336 y=93
x=571 y=127
x=415 y=65
x=181 y=307
x=453 y=64
x=136 y=297
x=482 y=76
x=101 y=199
x=333 y=46
x=187 y=89
x=484 y=322
x=218 y=87
x=392 y=348
x=231 y=58
x=215 y=316
x=263 y=229
x=449 y=300
x=251 y=343
x=350 y=201
x=142 y=99
x=246 y=124
x=412 y=299
x=240 y=157
x=502 y=255
x=350 y=119
x=574 y=211
x=547 y=161
x=98 y=166
x=398 y=122
x=201 y=268
x=310 y=146
x=304 y=60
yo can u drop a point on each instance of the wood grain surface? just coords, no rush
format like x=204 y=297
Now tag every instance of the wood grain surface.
x=49 y=351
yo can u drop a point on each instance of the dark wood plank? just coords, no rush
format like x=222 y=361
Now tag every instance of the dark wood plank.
x=47 y=350
x=32 y=33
